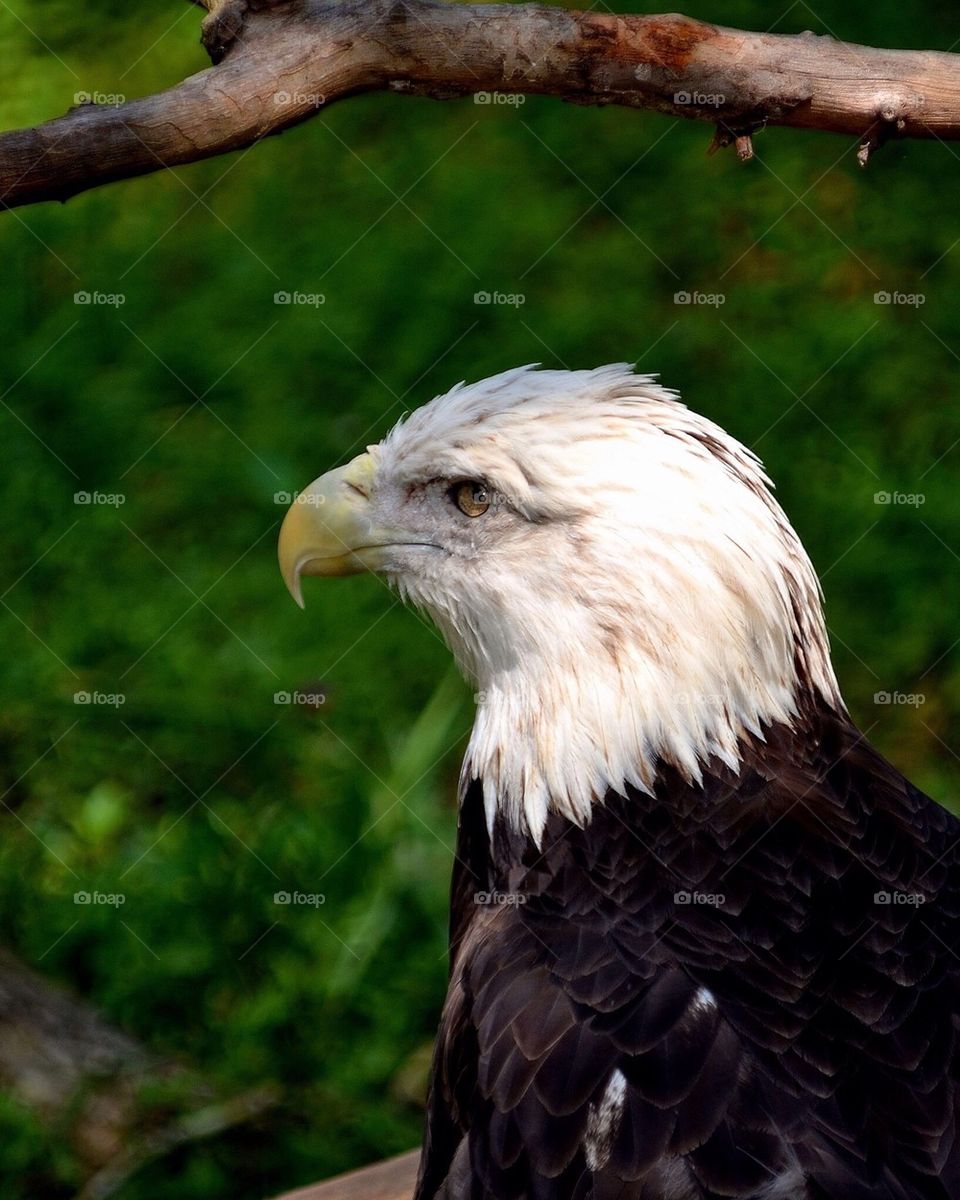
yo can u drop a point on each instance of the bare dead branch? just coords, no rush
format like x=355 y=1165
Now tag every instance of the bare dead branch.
x=194 y=1126
x=117 y=1104
x=285 y=60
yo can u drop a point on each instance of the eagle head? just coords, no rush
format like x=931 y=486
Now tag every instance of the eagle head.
x=610 y=570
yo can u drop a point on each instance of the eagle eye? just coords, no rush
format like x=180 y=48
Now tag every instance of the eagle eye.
x=471 y=497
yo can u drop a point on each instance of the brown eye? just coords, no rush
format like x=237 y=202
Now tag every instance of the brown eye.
x=471 y=498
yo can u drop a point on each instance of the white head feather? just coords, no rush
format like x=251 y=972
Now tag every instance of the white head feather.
x=634 y=597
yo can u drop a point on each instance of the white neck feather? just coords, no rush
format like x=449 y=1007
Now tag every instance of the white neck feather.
x=600 y=694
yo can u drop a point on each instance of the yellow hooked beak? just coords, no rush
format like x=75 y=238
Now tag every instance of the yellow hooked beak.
x=329 y=529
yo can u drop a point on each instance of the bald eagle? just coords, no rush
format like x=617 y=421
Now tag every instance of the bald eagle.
x=703 y=937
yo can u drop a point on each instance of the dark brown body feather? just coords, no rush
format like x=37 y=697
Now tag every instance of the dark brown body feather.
x=792 y=1038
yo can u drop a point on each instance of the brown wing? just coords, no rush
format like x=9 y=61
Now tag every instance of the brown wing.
x=792 y=1037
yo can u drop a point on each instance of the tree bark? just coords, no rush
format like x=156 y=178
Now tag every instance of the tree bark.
x=285 y=60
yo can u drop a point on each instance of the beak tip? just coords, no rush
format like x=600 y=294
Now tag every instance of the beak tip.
x=294 y=586
x=324 y=524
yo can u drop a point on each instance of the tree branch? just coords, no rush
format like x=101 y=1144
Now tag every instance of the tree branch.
x=284 y=60
x=393 y=1179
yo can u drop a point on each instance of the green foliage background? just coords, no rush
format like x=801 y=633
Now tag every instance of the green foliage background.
x=200 y=398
